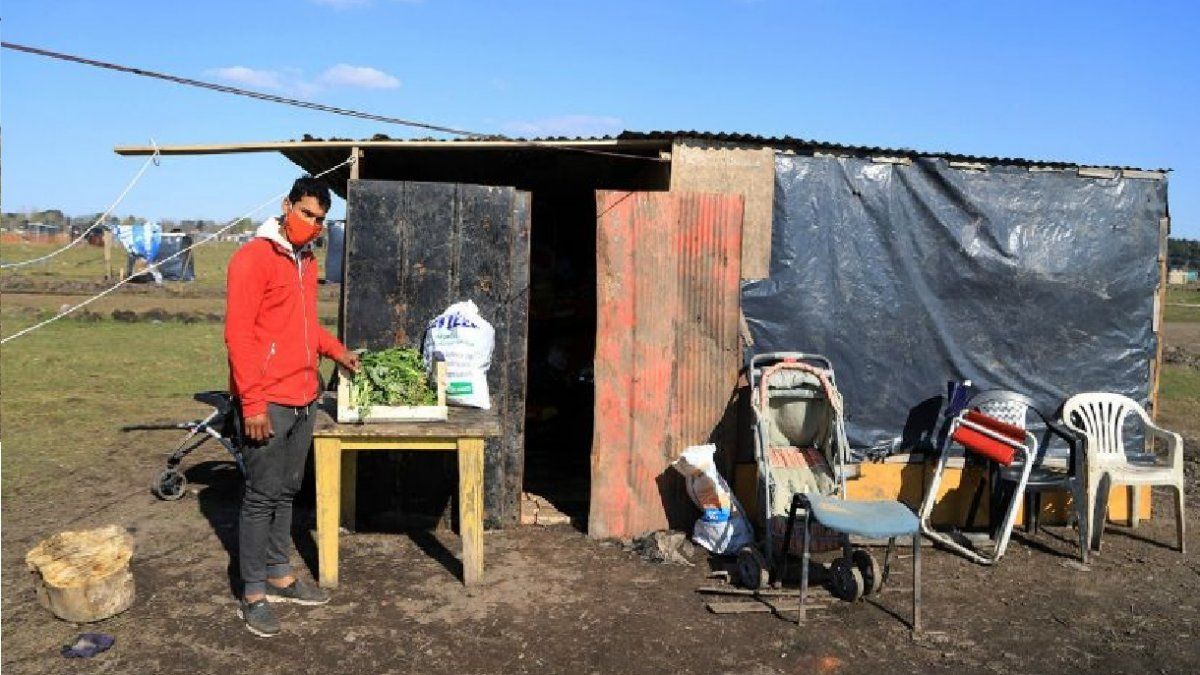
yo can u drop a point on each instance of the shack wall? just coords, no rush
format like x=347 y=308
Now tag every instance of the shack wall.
x=909 y=274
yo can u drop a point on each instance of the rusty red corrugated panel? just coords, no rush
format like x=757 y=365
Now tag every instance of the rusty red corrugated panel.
x=667 y=351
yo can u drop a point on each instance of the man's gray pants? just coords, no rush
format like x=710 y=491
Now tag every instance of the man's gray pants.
x=274 y=471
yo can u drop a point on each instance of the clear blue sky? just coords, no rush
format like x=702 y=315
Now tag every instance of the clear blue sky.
x=1089 y=82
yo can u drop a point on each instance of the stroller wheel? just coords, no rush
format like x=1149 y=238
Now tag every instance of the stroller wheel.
x=869 y=568
x=169 y=485
x=846 y=580
x=752 y=568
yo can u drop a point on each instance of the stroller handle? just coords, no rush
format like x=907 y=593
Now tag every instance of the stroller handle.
x=775 y=357
x=768 y=358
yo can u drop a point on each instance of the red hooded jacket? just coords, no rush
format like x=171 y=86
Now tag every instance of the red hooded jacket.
x=271 y=326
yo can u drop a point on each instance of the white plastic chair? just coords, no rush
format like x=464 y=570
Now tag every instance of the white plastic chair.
x=1100 y=419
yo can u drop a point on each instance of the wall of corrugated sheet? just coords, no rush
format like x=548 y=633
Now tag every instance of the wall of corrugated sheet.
x=667 y=351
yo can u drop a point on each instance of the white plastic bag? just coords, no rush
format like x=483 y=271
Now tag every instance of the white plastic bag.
x=466 y=341
x=723 y=527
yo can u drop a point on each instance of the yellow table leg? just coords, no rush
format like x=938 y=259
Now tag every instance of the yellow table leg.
x=327 y=452
x=470 y=507
x=349 y=494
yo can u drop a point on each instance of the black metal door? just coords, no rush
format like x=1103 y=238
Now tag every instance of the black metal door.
x=412 y=249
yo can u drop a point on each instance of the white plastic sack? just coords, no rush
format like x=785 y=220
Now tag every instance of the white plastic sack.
x=466 y=341
x=723 y=527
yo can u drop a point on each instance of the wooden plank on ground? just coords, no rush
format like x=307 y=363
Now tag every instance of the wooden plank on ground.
x=742 y=607
x=764 y=592
x=1160 y=295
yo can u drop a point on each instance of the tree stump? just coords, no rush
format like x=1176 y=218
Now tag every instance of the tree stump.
x=84 y=576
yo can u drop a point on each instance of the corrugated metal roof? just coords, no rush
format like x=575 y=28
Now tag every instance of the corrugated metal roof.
x=800 y=145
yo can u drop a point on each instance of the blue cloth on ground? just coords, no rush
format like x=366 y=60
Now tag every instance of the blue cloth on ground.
x=88 y=645
x=872 y=519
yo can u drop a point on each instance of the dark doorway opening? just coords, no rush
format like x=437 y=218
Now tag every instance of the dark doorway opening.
x=560 y=396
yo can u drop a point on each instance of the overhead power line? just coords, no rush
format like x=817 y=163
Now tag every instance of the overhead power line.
x=310 y=105
x=233 y=90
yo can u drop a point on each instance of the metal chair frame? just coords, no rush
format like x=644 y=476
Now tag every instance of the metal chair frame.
x=1026 y=452
x=1014 y=408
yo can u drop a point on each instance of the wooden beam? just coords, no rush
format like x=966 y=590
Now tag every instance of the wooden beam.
x=452 y=144
x=107 y=254
x=968 y=166
x=762 y=592
x=355 y=174
x=758 y=607
x=1096 y=172
x=1137 y=173
x=1160 y=301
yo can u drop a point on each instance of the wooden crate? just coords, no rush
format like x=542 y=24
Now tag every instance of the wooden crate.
x=347 y=406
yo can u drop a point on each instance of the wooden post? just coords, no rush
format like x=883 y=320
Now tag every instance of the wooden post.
x=470 y=507
x=355 y=174
x=107 y=254
x=327 y=453
x=1160 y=297
x=348 y=496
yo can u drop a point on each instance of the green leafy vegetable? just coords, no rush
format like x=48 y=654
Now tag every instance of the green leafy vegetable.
x=394 y=377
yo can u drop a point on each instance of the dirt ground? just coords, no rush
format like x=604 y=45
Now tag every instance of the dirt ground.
x=1183 y=335
x=554 y=601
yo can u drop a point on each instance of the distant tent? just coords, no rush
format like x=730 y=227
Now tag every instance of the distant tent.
x=140 y=239
x=182 y=268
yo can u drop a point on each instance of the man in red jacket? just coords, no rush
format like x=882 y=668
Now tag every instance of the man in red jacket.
x=275 y=342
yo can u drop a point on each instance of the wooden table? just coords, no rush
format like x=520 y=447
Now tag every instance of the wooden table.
x=334 y=446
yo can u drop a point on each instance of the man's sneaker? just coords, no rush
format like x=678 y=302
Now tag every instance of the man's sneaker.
x=259 y=618
x=299 y=593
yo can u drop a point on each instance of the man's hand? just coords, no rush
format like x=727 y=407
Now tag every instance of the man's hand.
x=349 y=361
x=258 y=428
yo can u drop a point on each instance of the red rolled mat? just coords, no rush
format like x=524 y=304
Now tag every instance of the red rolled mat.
x=1003 y=428
x=981 y=444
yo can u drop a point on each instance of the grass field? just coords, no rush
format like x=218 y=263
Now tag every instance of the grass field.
x=67 y=389
x=1183 y=303
x=86 y=263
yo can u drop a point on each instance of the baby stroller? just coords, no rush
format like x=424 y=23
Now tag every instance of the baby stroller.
x=221 y=424
x=801 y=450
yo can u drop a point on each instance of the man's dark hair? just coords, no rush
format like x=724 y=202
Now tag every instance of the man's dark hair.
x=307 y=186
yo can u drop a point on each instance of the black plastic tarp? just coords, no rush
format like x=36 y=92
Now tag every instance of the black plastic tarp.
x=181 y=268
x=908 y=276
x=335 y=243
